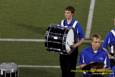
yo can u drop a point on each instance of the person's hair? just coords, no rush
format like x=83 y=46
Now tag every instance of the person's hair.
x=70 y=8
x=95 y=36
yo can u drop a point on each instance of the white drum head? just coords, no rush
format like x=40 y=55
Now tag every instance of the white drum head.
x=69 y=40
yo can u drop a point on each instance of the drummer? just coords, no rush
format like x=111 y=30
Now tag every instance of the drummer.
x=68 y=62
x=94 y=53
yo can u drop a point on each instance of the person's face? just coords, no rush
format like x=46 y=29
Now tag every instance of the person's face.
x=68 y=14
x=96 y=42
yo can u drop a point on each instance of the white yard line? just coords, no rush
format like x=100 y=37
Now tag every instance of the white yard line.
x=27 y=40
x=40 y=66
x=37 y=66
x=21 y=40
x=90 y=18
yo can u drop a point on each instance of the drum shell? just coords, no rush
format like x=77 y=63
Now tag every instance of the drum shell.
x=55 y=38
x=9 y=70
x=9 y=74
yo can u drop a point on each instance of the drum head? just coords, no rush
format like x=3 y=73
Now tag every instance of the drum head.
x=69 y=40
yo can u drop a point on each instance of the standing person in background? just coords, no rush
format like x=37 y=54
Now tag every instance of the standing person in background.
x=68 y=62
x=109 y=46
x=109 y=43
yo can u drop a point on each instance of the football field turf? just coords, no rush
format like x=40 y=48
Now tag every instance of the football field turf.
x=29 y=19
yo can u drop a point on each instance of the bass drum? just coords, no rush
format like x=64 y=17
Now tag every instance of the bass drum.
x=59 y=39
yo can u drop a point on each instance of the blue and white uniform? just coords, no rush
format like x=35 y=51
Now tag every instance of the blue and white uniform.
x=68 y=62
x=76 y=26
x=109 y=41
x=88 y=56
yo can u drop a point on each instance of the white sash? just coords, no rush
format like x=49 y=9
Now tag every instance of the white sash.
x=74 y=24
x=62 y=21
x=113 y=32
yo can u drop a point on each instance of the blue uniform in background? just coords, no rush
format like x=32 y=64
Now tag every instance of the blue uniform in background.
x=109 y=43
x=87 y=56
x=113 y=72
x=68 y=62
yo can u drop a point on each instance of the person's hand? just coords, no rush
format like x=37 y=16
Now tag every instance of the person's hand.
x=73 y=46
x=69 y=52
x=71 y=49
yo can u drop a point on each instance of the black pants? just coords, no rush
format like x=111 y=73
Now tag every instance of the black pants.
x=68 y=63
x=112 y=62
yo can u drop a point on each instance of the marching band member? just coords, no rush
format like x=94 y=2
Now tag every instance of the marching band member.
x=68 y=62
x=109 y=45
x=109 y=42
x=92 y=54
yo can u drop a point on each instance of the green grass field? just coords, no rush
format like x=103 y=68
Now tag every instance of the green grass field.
x=30 y=19
x=103 y=17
